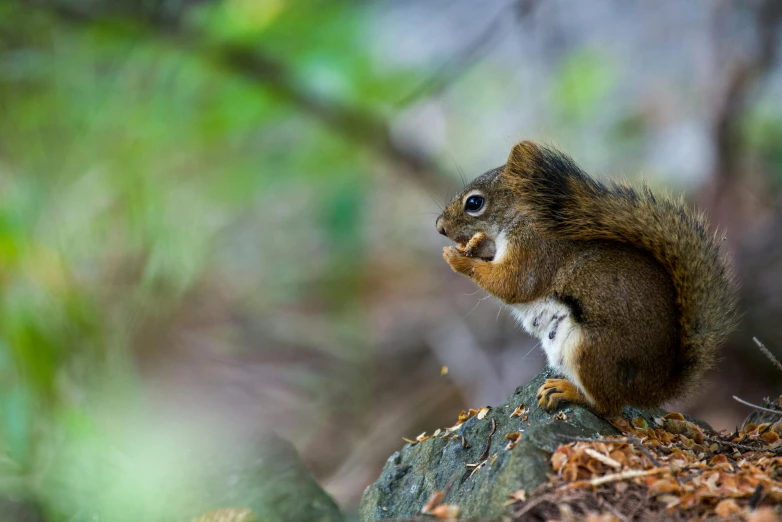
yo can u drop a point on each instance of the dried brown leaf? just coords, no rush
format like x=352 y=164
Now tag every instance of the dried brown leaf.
x=727 y=507
x=518 y=412
x=520 y=495
x=446 y=512
x=765 y=514
x=434 y=500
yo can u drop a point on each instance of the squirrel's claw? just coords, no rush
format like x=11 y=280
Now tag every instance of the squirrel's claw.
x=555 y=391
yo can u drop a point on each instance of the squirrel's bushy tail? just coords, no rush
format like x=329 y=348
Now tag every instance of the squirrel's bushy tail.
x=566 y=203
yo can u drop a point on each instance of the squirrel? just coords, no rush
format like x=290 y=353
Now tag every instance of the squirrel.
x=628 y=291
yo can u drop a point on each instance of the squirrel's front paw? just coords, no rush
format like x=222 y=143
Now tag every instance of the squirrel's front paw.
x=555 y=391
x=459 y=262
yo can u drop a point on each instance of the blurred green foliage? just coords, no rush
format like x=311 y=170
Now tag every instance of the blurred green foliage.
x=138 y=174
x=132 y=171
x=762 y=129
x=584 y=77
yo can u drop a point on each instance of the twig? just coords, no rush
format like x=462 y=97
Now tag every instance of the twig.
x=533 y=503
x=485 y=452
x=608 y=461
x=616 y=512
x=761 y=408
x=755 y=498
x=614 y=477
x=743 y=447
x=643 y=449
x=588 y=439
x=630 y=439
x=641 y=501
x=251 y=63
x=767 y=353
x=476 y=467
x=454 y=67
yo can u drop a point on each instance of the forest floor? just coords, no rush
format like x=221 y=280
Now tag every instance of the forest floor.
x=674 y=472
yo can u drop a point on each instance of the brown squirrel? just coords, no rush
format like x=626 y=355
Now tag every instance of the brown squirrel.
x=628 y=291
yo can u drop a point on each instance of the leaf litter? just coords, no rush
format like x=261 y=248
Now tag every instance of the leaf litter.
x=672 y=471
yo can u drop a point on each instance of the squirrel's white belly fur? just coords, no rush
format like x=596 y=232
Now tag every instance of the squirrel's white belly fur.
x=551 y=321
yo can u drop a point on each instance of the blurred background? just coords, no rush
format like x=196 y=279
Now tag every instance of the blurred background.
x=219 y=214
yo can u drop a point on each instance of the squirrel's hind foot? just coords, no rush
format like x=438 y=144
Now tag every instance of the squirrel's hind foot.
x=555 y=391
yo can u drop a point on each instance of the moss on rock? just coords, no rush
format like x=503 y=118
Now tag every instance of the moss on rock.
x=411 y=475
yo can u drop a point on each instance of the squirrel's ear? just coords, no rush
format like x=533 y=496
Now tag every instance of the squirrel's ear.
x=523 y=158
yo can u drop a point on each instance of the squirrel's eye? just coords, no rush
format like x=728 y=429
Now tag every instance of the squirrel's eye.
x=474 y=204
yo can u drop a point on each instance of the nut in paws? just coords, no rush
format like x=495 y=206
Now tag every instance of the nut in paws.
x=479 y=246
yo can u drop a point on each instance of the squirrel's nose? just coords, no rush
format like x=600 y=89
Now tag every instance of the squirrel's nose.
x=439 y=225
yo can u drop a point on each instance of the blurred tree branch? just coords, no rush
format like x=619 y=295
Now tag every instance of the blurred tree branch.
x=757 y=257
x=252 y=63
x=724 y=196
x=458 y=65
x=741 y=79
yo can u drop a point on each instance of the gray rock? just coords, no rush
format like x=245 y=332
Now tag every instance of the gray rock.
x=262 y=473
x=19 y=508
x=269 y=479
x=411 y=475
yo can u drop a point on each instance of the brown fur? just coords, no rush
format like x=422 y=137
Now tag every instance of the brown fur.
x=647 y=283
